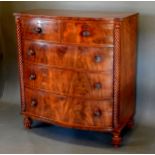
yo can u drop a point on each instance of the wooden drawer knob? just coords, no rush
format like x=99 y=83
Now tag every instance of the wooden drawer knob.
x=98 y=58
x=61 y=98
x=98 y=85
x=33 y=103
x=30 y=52
x=97 y=113
x=38 y=30
x=32 y=77
x=86 y=33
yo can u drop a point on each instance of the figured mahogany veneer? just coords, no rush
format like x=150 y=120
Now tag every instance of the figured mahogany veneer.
x=72 y=57
x=88 y=32
x=69 y=110
x=78 y=69
x=42 y=29
x=84 y=84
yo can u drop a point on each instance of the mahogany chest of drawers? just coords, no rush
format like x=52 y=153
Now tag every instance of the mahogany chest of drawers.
x=78 y=69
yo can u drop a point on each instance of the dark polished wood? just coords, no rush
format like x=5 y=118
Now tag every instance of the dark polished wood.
x=78 y=69
x=116 y=139
x=69 y=110
x=75 y=14
x=42 y=29
x=128 y=68
x=84 y=84
x=27 y=122
x=84 y=58
x=88 y=32
x=131 y=123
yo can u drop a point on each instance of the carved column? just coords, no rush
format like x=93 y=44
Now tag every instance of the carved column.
x=20 y=61
x=117 y=48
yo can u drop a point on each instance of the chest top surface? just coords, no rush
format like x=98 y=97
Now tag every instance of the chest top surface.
x=67 y=14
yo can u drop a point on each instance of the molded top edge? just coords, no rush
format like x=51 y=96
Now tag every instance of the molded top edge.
x=66 y=14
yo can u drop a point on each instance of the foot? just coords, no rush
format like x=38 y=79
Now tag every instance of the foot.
x=116 y=139
x=27 y=122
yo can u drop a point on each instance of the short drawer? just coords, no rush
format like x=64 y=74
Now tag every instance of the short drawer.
x=68 y=82
x=84 y=58
x=41 y=29
x=68 y=110
x=87 y=32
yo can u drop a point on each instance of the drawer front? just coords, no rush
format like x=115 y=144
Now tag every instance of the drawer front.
x=69 y=110
x=95 y=59
x=41 y=29
x=68 y=82
x=87 y=32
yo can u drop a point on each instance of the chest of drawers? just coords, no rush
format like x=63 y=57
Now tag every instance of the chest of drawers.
x=78 y=69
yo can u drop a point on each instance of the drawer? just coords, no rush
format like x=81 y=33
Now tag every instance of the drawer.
x=87 y=58
x=69 y=110
x=41 y=29
x=68 y=82
x=87 y=32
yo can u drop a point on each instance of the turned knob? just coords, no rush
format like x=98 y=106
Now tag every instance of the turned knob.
x=33 y=103
x=98 y=58
x=38 y=30
x=61 y=98
x=97 y=113
x=30 y=52
x=86 y=33
x=98 y=85
x=32 y=77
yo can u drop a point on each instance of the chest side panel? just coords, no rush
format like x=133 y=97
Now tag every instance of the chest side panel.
x=128 y=69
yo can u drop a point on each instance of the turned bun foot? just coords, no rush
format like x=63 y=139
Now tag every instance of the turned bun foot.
x=130 y=124
x=116 y=140
x=27 y=123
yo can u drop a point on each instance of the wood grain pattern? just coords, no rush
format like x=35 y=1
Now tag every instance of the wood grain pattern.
x=128 y=68
x=69 y=110
x=88 y=32
x=84 y=84
x=41 y=29
x=79 y=69
x=75 y=57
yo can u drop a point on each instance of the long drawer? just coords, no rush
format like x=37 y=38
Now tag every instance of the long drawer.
x=69 y=82
x=86 y=58
x=69 y=110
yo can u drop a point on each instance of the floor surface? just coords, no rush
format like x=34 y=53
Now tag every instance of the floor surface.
x=43 y=138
